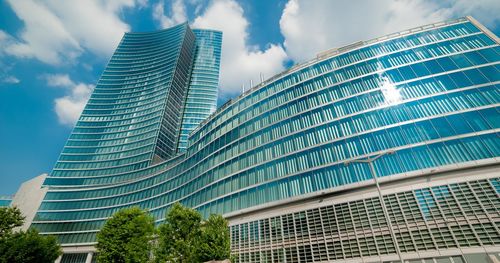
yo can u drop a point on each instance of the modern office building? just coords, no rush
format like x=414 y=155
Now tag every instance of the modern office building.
x=381 y=151
x=201 y=99
x=5 y=201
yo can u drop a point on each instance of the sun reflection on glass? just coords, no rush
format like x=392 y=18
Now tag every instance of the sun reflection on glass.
x=390 y=92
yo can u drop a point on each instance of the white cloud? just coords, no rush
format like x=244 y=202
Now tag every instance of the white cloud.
x=69 y=107
x=240 y=62
x=59 y=80
x=177 y=14
x=44 y=36
x=310 y=27
x=5 y=40
x=57 y=32
x=5 y=67
x=10 y=80
x=486 y=11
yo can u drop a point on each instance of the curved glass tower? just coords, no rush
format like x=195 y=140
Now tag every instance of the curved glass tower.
x=153 y=82
x=132 y=116
x=384 y=150
x=201 y=99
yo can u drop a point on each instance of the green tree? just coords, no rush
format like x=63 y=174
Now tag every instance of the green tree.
x=215 y=239
x=29 y=246
x=126 y=237
x=24 y=246
x=10 y=217
x=179 y=235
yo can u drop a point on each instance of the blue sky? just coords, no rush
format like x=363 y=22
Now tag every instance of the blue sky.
x=53 y=52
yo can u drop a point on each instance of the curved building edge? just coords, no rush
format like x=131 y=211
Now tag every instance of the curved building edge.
x=292 y=228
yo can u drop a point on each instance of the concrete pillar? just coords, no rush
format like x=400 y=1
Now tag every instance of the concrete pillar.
x=29 y=197
x=89 y=257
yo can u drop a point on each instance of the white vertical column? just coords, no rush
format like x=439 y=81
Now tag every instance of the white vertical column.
x=89 y=257
x=29 y=197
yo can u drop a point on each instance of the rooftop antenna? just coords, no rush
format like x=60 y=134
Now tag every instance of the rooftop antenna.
x=243 y=88
x=251 y=83
x=261 y=77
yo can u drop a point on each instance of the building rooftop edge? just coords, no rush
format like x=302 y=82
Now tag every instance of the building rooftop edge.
x=319 y=57
x=156 y=31
x=329 y=54
x=168 y=28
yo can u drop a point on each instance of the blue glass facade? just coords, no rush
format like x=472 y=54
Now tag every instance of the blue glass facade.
x=429 y=95
x=201 y=99
x=153 y=82
x=4 y=202
x=133 y=113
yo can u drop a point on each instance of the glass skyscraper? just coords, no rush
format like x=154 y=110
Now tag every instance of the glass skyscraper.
x=5 y=201
x=201 y=99
x=153 y=83
x=383 y=150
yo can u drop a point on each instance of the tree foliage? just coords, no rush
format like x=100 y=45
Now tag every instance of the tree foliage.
x=10 y=217
x=179 y=235
x=184 y=237
x=215 y=239
x=24 y=246
x=29 y=246
x=126 y=237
